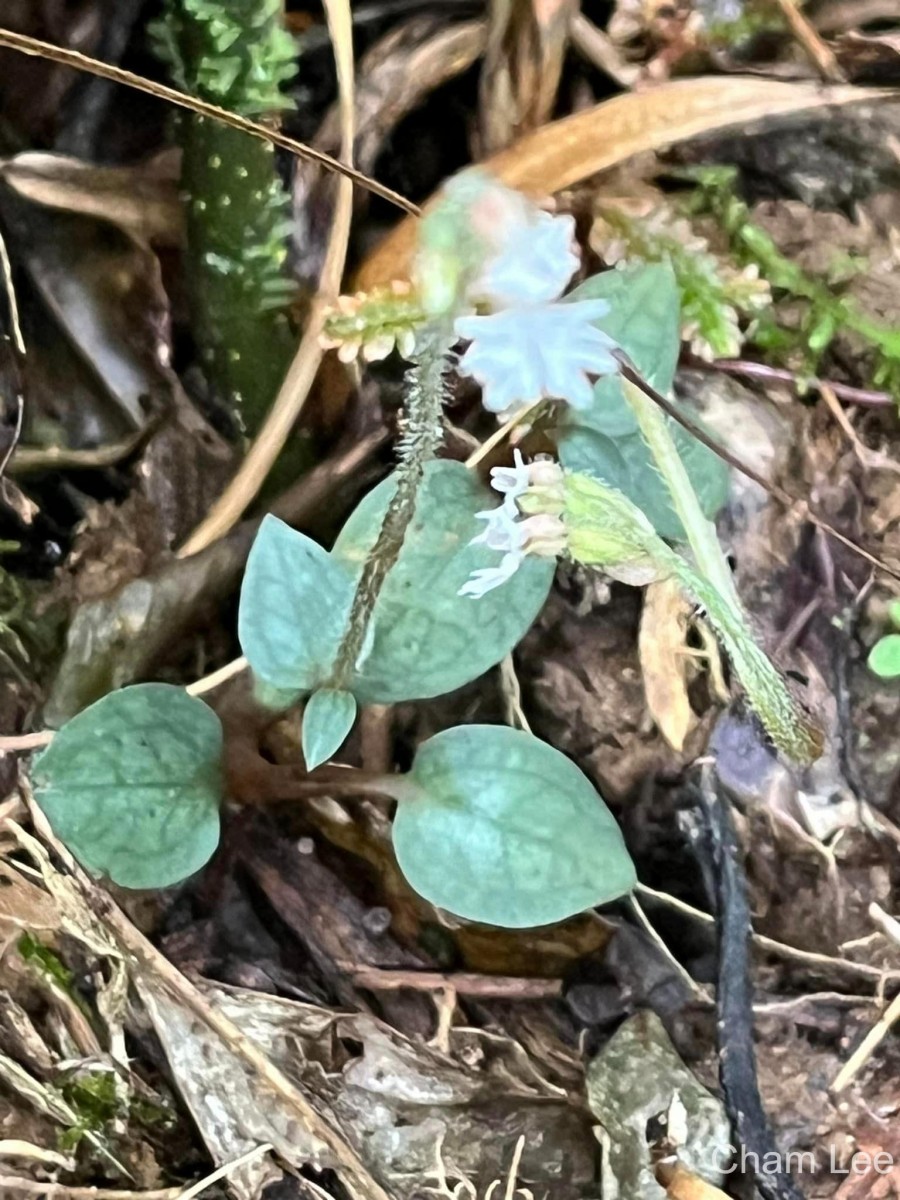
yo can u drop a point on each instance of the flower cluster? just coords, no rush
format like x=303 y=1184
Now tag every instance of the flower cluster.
x=373 y=323
x=528 y=521
x=496 y=264
x=531 y=344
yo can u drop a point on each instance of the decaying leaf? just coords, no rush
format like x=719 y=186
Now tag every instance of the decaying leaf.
x=634 y=1079
x=401 y=1103
x=142 y=201
x=567 y=151
x=665 y=660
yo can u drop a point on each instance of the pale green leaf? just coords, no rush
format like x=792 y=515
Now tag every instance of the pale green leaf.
x=133 y=785
x=295 y=601
x=884 y=657
x=644 y=318
x=501 y=828
x=327 y=719
x=426 y=638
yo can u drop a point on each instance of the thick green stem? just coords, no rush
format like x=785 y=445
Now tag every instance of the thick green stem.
x=421 y=438
x=235 y=53
x=712 y=584
x=700 y=531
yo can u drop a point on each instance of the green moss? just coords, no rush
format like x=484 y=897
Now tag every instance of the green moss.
x=715 y=295
x=824 y=311
x=94 y=1098
x=43 y=959
x=234 y=53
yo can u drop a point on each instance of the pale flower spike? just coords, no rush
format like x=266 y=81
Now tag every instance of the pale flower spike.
x=549 y=350
x=541 y=532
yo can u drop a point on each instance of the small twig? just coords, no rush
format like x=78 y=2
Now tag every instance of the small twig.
x=18 y=345
x=734 y=998
x=822 y=56
x=501 y=433
x=810 y=957
x=747 y=369
x=700 y=993
x=17 y=742
x=224 y=1171
x=216 y=678
x=464 y=983
x=598 y=48
x=83 y=62
x=15 y=1185
x=867 y=1047
x=886 y=923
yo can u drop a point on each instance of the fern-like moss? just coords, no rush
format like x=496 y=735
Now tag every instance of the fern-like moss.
x=825 y=312
x=716 y=296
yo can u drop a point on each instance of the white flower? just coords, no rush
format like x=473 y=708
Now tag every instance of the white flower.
x=542 y=533
x=535 y=261
x=488 y=578
x=547 y=350
x=512 y=482
x=502 y=532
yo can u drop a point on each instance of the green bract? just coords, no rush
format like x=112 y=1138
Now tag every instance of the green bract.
x=133 y=785
x=499 y=827
x=327 y=719
x=604 y=439
x=427 y=639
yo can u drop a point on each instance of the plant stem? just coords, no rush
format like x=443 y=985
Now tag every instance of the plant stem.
x=713 y=586
x=419 y=444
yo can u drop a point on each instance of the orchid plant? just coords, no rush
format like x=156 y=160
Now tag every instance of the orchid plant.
x=429 y=584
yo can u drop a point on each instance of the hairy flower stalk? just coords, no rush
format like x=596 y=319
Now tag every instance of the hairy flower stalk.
x=421 y=438
x=597 y=526
x=787 y=723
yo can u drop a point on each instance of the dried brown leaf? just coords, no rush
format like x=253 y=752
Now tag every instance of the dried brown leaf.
x=142 y=201
x=665 y=662
x=567 y=151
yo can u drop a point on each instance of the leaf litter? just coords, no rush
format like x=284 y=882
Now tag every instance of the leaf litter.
x=328 y=1029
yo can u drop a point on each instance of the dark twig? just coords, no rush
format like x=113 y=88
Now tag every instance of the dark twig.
x=83 y=62
x=747 y=369
x=734 y=997
x=779 y=493
x=16 y=354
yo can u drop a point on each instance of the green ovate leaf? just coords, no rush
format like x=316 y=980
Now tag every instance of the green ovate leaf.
x=501 y=828
x=133 y=785
x=295 y=600
x=626 y=464
x=327 y=719
x=604 y=440
x=884 y=657
x=644 y=319
x=894 y=613
x=427 y=639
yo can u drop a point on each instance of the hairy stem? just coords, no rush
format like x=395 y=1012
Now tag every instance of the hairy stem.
x=420 y=441
x=712 y=584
